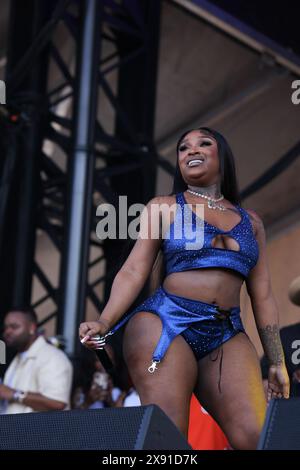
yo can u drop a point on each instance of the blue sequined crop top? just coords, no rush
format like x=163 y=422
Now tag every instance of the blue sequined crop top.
x=177 y=258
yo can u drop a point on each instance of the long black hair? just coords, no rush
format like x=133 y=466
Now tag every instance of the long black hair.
x=229 y=184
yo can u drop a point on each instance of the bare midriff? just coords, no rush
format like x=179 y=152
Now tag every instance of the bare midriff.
x=211 y=285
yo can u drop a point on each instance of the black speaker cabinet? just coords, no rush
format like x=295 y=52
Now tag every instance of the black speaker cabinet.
x=132 y=428
x=281 y=430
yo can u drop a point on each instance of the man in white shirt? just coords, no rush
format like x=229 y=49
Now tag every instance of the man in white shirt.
x=40 y=376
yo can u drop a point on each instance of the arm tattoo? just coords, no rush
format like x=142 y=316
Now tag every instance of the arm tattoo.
x=271 y=342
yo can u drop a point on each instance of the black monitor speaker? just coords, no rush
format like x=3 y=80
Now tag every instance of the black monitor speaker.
x=282 y=425
x=131 y=428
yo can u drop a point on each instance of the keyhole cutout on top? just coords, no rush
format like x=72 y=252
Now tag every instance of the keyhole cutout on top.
x=225 y=242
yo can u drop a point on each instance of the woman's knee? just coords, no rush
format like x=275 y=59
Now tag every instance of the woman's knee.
x=177 y=409
x=244 y=436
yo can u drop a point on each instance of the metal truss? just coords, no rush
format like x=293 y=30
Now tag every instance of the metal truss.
x=120 y=153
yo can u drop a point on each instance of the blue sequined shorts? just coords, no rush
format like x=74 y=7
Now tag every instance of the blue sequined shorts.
x=204 y=326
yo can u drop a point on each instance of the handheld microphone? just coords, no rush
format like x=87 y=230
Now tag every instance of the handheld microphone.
x=101 y=353
x=104 y=359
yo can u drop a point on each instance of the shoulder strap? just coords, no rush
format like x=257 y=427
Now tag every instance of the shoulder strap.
x=245 y=214
x=180 y=200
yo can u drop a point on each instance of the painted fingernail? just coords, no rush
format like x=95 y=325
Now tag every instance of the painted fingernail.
x=83 y=340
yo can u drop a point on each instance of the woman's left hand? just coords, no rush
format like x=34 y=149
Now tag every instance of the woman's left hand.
x=278 y=382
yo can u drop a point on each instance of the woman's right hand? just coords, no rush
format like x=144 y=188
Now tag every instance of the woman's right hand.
x=91 y=329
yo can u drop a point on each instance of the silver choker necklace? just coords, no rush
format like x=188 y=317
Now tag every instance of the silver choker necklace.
x=212 y=202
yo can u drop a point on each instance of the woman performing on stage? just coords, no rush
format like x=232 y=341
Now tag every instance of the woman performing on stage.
x=188 y=336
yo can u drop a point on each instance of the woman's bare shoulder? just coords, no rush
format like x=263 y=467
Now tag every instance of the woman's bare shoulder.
x=159 y=200
x=256 y=220
x=254 y=216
